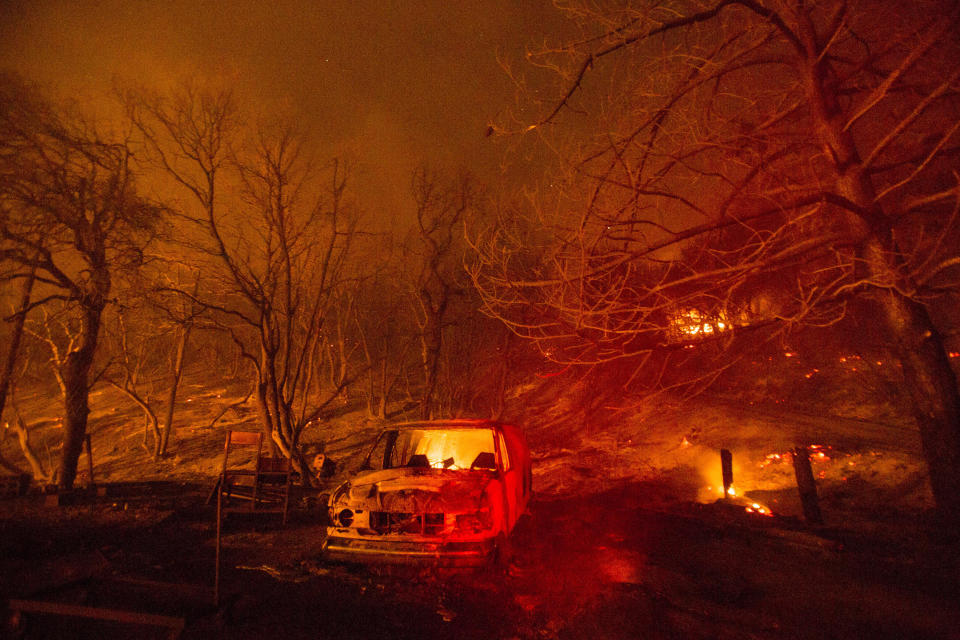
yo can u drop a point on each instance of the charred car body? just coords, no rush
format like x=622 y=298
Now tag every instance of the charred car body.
x=448 y=492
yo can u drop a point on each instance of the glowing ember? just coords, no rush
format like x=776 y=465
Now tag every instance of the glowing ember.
x=758 y=508
x=817 y=454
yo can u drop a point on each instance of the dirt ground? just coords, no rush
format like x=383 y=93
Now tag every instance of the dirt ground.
x=635 y=561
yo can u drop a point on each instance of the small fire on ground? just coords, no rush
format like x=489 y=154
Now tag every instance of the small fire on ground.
x=748 y=506
x=822 y=457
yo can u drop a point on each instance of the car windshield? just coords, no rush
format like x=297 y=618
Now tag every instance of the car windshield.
x=453 y=449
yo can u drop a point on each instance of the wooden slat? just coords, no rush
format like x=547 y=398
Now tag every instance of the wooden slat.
x=116 y=615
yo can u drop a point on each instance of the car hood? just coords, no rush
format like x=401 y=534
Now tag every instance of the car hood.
x=417 y=490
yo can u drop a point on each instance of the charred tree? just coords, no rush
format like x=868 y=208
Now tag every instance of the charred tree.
x=757 y=168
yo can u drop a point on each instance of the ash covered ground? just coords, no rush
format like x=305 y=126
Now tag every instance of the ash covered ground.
x=627 y=537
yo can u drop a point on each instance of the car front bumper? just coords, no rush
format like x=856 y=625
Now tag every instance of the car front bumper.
x=405 y=551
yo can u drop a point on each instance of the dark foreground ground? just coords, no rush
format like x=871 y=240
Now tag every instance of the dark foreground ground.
x=632 y=562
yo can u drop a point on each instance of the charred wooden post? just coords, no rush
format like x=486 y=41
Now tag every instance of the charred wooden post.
x=726 y=469
x=807 y=486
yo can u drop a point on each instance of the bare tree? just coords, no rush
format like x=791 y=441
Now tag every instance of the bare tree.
x=441 y=206
x=275 y=258
x=305 y=250
x=69 y=207
x=183 y=328
x=179 y=318
x=7 y=375
x=754 y=164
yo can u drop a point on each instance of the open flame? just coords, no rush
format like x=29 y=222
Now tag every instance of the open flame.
x=749 y=507
x=696 y=324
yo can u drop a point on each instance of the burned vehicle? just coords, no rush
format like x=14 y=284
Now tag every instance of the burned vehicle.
x=445 y=492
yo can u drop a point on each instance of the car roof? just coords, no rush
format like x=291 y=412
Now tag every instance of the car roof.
x=460 y=423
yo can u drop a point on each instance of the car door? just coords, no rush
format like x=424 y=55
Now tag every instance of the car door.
x=512 y=475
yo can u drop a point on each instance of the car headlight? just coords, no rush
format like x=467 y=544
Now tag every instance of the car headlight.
x=478 y=521
x=345 y=518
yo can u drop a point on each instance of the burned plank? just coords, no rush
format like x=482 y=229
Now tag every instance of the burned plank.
x=175 y=625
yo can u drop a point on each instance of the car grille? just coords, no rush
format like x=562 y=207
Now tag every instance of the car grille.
x=391 y=522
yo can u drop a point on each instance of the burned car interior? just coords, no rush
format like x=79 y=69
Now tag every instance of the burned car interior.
x=435 y=448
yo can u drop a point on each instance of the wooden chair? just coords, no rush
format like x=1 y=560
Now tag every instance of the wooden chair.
x=264 y=488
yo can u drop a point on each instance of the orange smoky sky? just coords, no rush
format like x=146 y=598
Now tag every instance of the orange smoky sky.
x=393 y=84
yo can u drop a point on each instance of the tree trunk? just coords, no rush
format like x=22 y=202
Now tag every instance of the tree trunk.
x=381 y=410
x=13 y=349
x=76 y=371
x=263 y=407
x=931 y=385
x=150 y=421
x=929 y=380
x=175 y=377
x=23 y=435
x=371 y=398
x=430 y=346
